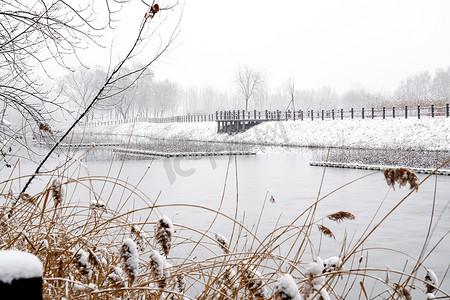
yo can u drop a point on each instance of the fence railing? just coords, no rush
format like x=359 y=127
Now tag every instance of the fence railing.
x=298 y=115
x=335 y=114
x=174 y=119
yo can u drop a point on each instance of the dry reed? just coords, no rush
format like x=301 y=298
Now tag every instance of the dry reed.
x=86 y=253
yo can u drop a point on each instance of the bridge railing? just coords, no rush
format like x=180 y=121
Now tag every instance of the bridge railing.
x=297 y=115
x=335 y=114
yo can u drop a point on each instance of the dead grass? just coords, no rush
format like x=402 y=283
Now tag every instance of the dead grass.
x=84 y=256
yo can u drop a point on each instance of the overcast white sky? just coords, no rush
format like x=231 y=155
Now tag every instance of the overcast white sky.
x=342 y=43
x=321 y=42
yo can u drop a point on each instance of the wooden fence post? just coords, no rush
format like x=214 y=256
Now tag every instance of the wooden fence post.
x=301 y=114
x=393 y=112
x=432 y=110
x=372 y=113
x=384 y=112
x=446 y=110
x=254 y=114
x=351 y=110
x=312 y=115
x=332 y=113
x=406 y=111
x=322 y=114
x=418 y=111
x=362 y=113
x=342 y=114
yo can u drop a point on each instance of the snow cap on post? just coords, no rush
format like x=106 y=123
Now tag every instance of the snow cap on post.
x=20 y=275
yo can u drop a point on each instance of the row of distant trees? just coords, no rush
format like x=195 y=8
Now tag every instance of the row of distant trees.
x=155 y=98
x=145 y=97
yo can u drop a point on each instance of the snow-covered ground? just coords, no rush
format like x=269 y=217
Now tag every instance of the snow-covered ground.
x=429 y=134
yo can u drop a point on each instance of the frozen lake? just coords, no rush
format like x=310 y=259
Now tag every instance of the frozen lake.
x=246 y=182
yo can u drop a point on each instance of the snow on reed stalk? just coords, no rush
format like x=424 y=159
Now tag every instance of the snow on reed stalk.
x=57 y=192
x=97 y=204
x=139 y=237
x=253 y=281
x=116 y=276
x=223 y=243
x=431 y=282
x=130 y=257
x=315 y=281
x=181 y=283
x=331 y=264
x=286 y=289
x=163 y=234
x=157 y=266
x=81 y=259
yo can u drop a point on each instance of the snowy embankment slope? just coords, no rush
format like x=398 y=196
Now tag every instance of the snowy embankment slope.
x=429 y=134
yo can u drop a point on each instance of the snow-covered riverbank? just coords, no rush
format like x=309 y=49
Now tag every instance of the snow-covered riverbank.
x=430 y=134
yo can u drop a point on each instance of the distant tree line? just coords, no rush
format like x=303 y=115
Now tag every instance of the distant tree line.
x=157 y=98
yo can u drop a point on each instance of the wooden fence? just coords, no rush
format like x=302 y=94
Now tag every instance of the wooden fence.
x=298 y=115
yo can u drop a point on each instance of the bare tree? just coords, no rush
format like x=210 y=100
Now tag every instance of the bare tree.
x=290 y=86
x=34 y=33
x=80 y=86
x=165 y=96
x=249 y=82
x=440 y=86
x=415 y=89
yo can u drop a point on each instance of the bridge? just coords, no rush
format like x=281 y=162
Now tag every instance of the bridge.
x=233 y=121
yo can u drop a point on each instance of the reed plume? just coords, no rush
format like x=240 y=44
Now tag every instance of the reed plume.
x=286 y=289
x=130 y=257
x=402 y=176
x=402 y=291
x=223 y=243
x=341 y=216
x=45 y=127
x=431 y=281
x=326 y=231
x=254 y=283
x=57 y=192
x=81 y=260
x=139 y=237
x=163 y=234
x=157 y=265
x=116 y=276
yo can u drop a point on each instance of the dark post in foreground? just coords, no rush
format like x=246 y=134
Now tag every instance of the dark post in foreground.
x=20 y=275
